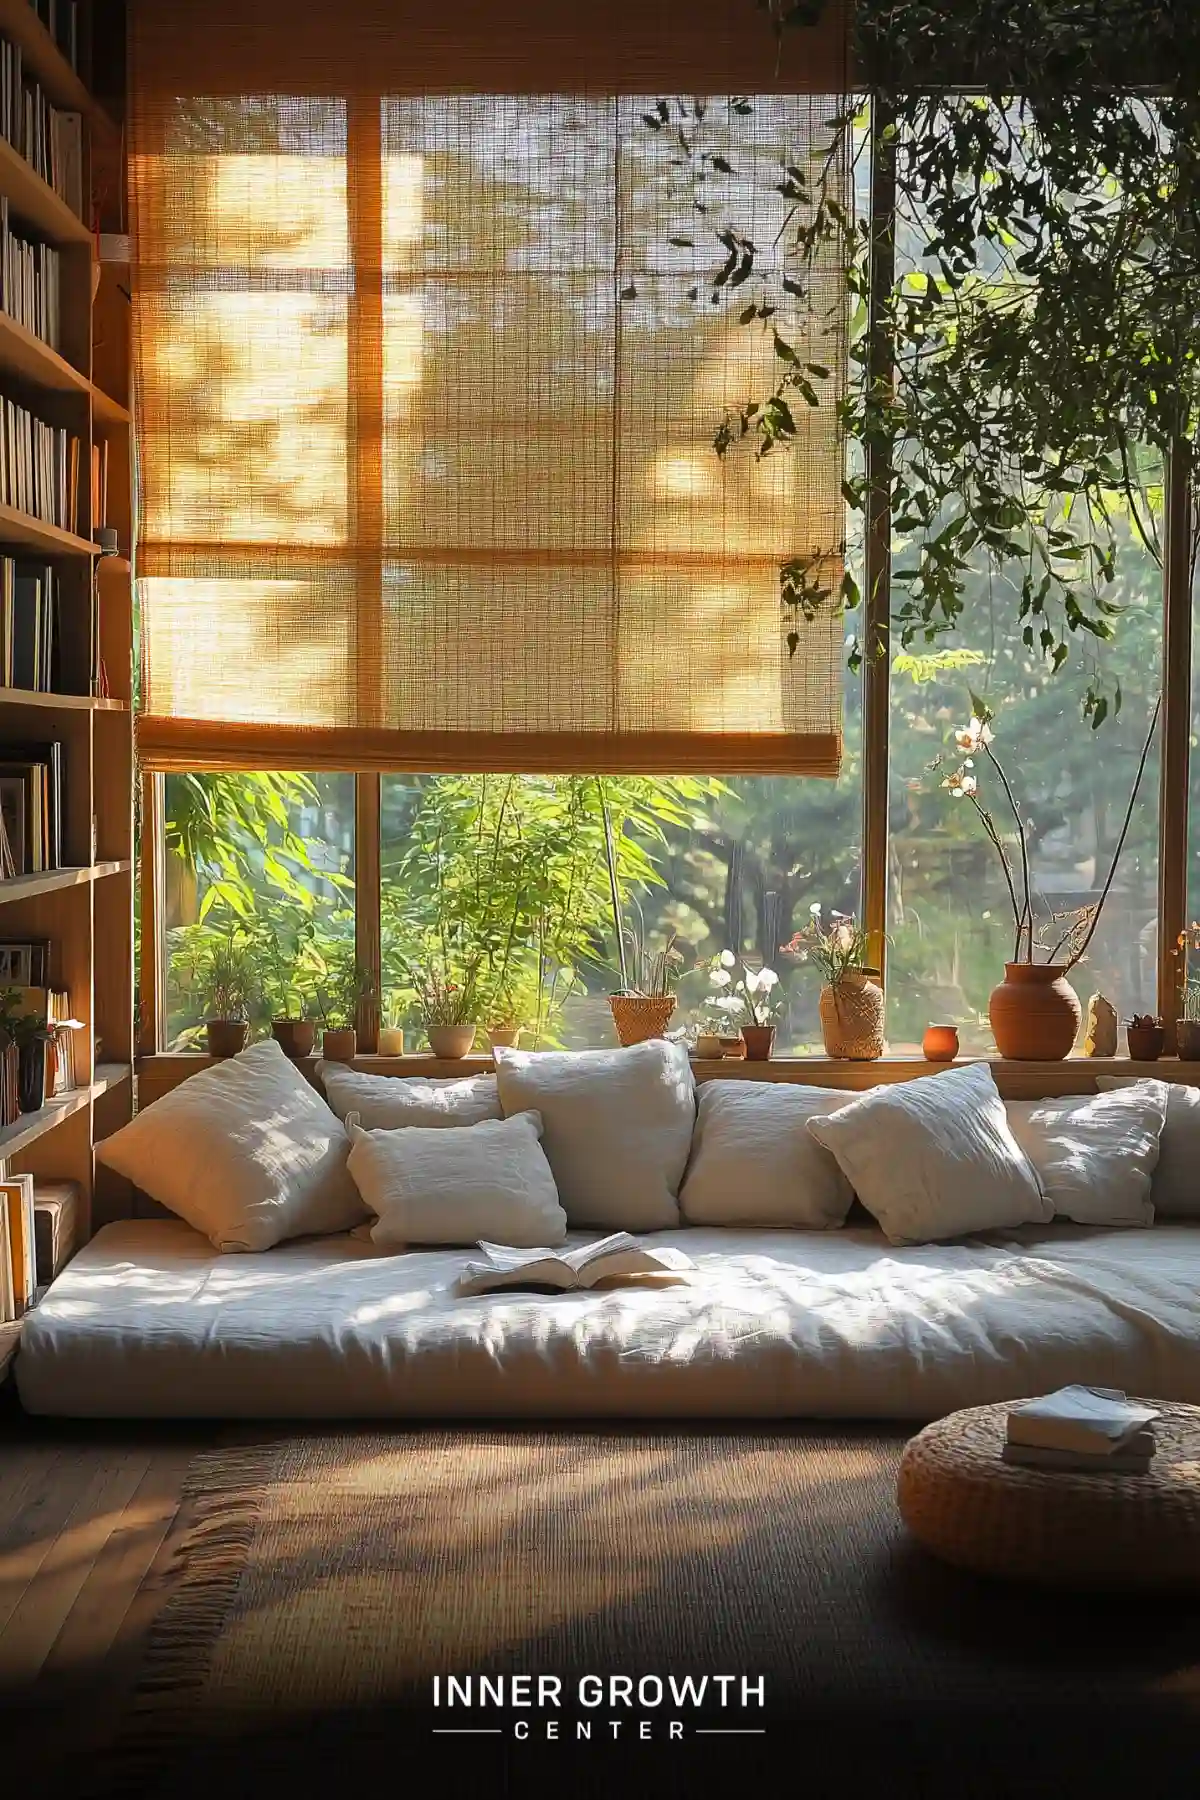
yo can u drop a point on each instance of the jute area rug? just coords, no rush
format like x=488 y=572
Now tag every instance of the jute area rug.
x=327 y=1582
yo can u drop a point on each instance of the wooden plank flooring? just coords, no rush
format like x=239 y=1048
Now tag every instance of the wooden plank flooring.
x=90 y=1517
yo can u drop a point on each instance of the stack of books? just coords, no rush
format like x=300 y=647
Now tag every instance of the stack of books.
x=39 y=467
x=28 y=281
x=31 y=808
x=29 y=614
x=50 y=141
x=18 y=1254
x=1083 y=1430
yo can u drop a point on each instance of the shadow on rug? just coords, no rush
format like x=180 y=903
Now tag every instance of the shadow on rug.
x=331 y=1586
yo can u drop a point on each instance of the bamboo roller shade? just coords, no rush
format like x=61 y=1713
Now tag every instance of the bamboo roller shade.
x=425 y=412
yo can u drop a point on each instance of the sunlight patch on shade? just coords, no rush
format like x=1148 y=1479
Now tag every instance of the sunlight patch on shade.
x=275 y=212
x=684 y=476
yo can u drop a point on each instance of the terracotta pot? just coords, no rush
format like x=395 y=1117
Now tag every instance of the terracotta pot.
x=504 y=1037
x=1187 y=1039
x=852 y=1017
x=1035 y=1013
x=1145 y=1042
x=708 y=1047
x=940 y=1043
x=226 y=1036
x=451 y=1042
x=759 y=1041
x=391 y=1041
x=295 y=1037
x=733 y=1049
x=639 y=1017
x=340 y=1044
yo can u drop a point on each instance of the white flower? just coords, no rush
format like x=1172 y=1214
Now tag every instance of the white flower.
x=960 y=783
x=767 y=978
x=719 y=978
x=976 y=733
x=727 y=959
x=815 y=909
x=728 y=1003
x=753 y=981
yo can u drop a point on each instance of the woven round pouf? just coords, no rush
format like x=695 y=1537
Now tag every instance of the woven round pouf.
x=968 y=1507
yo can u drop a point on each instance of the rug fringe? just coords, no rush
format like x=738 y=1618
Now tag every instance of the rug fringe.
x=209 y=1559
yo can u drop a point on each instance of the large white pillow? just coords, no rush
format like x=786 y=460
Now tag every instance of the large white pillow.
x=754 y=1163
x=246 y=1151
x=934 y=1158
x=618 y=1127
x=1095 y=1153
x=427 y=1185
x=385 y=1102
x=1175 y=1188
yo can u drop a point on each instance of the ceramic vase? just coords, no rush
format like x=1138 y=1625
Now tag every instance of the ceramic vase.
x=1145 y=1042
x=940 y=1043
x=708 y=1047
x=504 y=1037
x=31 y=1076
x=226 y=1037
x=639 y=1017
x=759 y=1041
x=295 y=1037
x=1035 y=1013
x=852 y=1017
x=340 y=1044
x=1187 y=1039
x=450 y=1042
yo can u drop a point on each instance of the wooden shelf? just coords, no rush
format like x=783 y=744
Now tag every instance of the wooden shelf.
x=107 y=411
x=25 y=354
x=34 y=534
x=61 y=702
x=35 y=201
x=44 y=60
x=54 y=881
x=31 y=1126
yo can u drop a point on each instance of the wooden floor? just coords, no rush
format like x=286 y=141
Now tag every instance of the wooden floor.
x=89 y=1518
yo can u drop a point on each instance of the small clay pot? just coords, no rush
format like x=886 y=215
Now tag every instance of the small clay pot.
x=733 y=1049
x=1145 y=1042
x=940 y=1043
x=295 y=1037
x=451 y=1042
x=708 y=1047
x=340 y=1044
x=504 y=1037
x=1187 y=1039
x=226 y=1036
x=759 y=1041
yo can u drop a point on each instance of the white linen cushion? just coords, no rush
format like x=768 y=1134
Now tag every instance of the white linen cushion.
x=618 y=1127
x=427 y=1185
x=934 y=1158
x=753 y=1162
x=246 y=1152
x=1095 y=1153
x=1175 y=1187
x=385 y=1102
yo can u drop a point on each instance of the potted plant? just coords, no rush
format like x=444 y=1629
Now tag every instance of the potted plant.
x=644 y=1004
x=448 y=1008
x=339 y=998
x=1145 y=1036
x=230 y=988
x=28 y=1036
x=851 y=1000
x=286 y=979
x=504 y=1020
x=750 y=998
x=1187 y=1029
x=1034 y=1012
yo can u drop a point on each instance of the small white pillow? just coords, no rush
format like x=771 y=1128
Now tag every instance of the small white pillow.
x=753 y=1162
x=934 y=1158
x=427 y=1185
x=618 y=1127
x=246 y=1152
x=385 y=1102
x=1175 y=1189
x=1095 y=1153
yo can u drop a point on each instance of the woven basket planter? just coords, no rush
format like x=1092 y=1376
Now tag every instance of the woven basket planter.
x=639 y=1017
x=852 y=1018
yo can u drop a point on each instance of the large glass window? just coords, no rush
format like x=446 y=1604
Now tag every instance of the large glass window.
x=259 y=890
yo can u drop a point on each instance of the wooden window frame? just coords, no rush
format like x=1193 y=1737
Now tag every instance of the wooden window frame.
x=1175 y=747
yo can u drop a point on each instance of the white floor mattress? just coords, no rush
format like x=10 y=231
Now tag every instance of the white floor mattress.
x=149 y=1321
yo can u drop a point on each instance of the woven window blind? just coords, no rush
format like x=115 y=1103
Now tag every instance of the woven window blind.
x=425 y=411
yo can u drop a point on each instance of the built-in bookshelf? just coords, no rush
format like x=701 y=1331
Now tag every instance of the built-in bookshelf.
x=66 y=729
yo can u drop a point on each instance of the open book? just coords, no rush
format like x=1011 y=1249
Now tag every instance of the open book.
x=616 y=1261
x=1088 y=1421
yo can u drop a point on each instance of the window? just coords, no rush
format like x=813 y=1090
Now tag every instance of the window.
x=263 y=864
